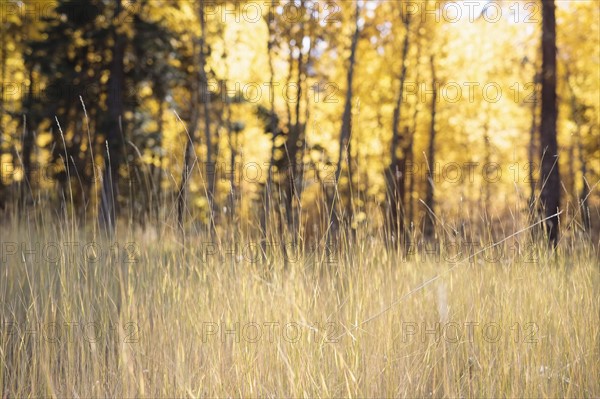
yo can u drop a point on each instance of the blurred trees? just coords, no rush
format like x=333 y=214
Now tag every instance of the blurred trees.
x=187 y=112
x=90 y=69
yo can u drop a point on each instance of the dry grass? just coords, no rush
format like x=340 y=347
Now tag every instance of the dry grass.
x=188 y=324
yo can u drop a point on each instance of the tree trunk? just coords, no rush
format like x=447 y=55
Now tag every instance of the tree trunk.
x=273 y=129
x=185 y=174
x=346 y=129
x=410 y=160
x=28 y=143
x=585 y=190
x=429 y=225
x=232 y=138
x=550 y=194
x=114 y=142
x=159 y=178
x=396 y=173
x=570 y=183
x=413 y=133
x=295 y=140
x=189 y=153
x=583 y=196
x=531 y=149
x=307 y=63
x=210 y=164
x=156 y=171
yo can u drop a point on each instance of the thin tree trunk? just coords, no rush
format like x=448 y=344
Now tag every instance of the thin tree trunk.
x=232 y=138
x=531 y=149
x=348 y=205
x=550 y=194
x=410 y=160
x=571 y=170
x=428 y=229
x=185 y=175
x=294 y=142
x=396 y=173
x=583 y=196
x=294 y=148
x=585 y=190
x=28 y=143
x=210 y=165
x=288 y=108
x=273 y=129
x=346 y=129
x=410 y=151
x=572 y=180
x=114 y=142
x=159 y=178
x=189 y=153
x=302 y=127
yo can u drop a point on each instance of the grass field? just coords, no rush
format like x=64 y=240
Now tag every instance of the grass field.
x=138 y=316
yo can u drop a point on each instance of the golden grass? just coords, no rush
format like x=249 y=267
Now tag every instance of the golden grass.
x=177 y=324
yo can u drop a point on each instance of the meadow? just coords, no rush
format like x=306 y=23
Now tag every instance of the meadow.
x=139 y=315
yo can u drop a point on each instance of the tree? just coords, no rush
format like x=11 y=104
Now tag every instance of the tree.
x=346 y=128
x=69 y=64
x=550 y=176
x=396 y=172
x=578 y=115
x=533 y=129
x=182 y=192
x=272 y=127
x=428 y=228
x=114 y=135
x=100 y=55
x=205 y=94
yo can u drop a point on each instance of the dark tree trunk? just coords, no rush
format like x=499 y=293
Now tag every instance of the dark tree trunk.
x=153 y=201
x=550 y=194
x=273 y=128
x=114 y=143
x=295 y=139
x=28 y=143
x=411 y=182
x=429 y=225
x=396 y=173
x=293 y=146
x=583 y=196
x=182 y=192
x=210 y=164
x=185 y=174
x=585 y=190
x=413 y=133
x=307 y=63
x=570 y=179
x=232 y=138
x=346 y=129
x=531 y=149
x=159 y=177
